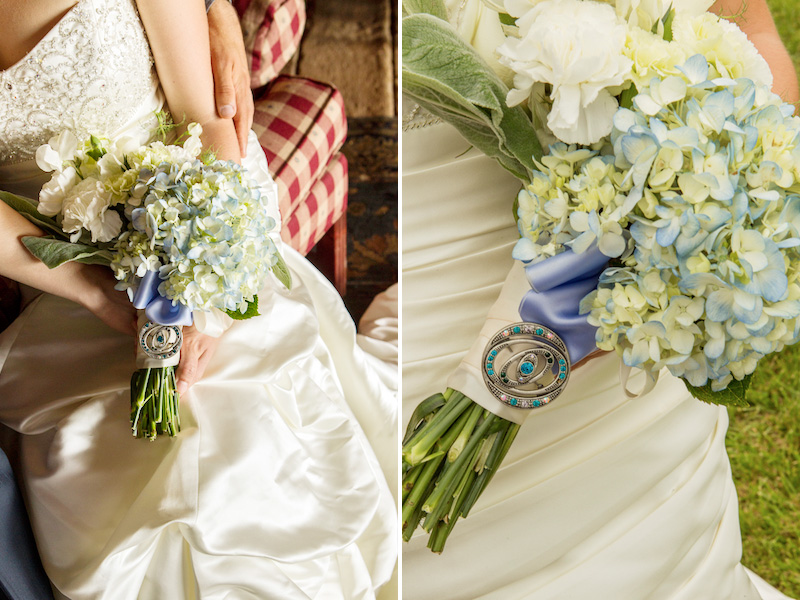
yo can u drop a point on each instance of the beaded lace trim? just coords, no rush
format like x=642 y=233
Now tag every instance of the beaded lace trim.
x=418 y=118
x=88 y=74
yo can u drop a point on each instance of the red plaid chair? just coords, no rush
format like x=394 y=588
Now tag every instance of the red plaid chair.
x=301 y=126
x=272 y=30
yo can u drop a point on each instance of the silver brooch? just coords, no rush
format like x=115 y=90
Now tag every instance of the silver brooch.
x=526 y=365
x=160 y=341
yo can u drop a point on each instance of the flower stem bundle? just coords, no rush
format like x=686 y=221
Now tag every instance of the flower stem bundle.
x=154 y=403
x=452 y=449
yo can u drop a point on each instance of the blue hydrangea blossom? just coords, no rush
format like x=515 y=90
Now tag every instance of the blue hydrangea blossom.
x=695 y=198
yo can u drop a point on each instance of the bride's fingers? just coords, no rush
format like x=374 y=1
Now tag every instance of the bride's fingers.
x=203 y=360
x=586 y=359
x=187 y=370
x=197 y=351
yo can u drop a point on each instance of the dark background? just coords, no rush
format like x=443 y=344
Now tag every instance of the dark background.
x=353 y=45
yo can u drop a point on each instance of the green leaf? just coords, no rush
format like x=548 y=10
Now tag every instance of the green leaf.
x=733 y=395
x=281 y=271
x=425 y=409
x=252 y=311
x=515 y=208
x=27 y=208
x=669 y=17
x=97 y=150
x=53 y=252
x=627 y=96
x=445 y=75
x=431 y=7
x=507 y=19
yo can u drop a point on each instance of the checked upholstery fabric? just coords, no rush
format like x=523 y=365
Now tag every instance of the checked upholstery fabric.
x=272 y=30
x=301 y=126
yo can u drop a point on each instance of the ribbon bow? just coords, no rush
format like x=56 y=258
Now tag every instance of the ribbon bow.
x=157 y=307
x=558 y=284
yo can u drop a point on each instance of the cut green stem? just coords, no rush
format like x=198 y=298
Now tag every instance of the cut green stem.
x=154 y=403
x=415 y=451
x=450 y=479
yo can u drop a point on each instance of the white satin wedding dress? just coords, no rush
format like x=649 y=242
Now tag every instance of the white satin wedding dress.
x=601 y=497
x=272 y=490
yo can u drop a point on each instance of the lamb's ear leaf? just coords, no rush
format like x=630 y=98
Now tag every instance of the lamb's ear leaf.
x=54 y=252
x=27 y=208
x=431 y=7
x=444 y=74
x=281 y=271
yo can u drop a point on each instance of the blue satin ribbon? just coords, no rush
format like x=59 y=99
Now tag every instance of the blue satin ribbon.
x=158 y=308
x=558 y=285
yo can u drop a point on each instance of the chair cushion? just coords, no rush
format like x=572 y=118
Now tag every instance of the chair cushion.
x=325 y=203
x=272 y=30
x=300 y=124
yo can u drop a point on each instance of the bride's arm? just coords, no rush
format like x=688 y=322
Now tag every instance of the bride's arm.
x=89 y=285
x=178 y=34
x=756 y=21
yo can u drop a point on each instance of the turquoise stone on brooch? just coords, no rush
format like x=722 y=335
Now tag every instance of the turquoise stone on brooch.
x=160 y=341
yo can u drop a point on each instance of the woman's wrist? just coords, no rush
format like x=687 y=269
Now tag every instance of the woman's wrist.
x=780 y=63
x=92 y=285
x=94 y=290
x=219 y=136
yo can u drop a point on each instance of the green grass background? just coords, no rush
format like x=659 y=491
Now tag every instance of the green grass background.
x=764 y=439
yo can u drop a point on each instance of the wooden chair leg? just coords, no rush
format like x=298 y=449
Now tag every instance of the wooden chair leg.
x=340 y=254
x=332 y=250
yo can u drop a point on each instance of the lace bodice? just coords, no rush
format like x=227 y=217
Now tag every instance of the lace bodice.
x=89 y=74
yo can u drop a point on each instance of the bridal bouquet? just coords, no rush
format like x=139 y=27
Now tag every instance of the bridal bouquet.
x=181 y=231
x=667 y=210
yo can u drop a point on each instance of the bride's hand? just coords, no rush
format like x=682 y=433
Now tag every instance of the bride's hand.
x=229 y=66
x=196 y=352
x=111 y=306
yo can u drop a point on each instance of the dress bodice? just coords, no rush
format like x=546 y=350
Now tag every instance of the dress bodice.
x=89 y=73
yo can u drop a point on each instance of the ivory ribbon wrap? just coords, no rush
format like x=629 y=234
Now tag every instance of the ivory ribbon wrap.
x=212 y=322
x=550 y=292
x=468 y=378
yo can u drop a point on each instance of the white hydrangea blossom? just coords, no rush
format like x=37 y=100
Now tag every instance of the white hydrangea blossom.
x=726 y=48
